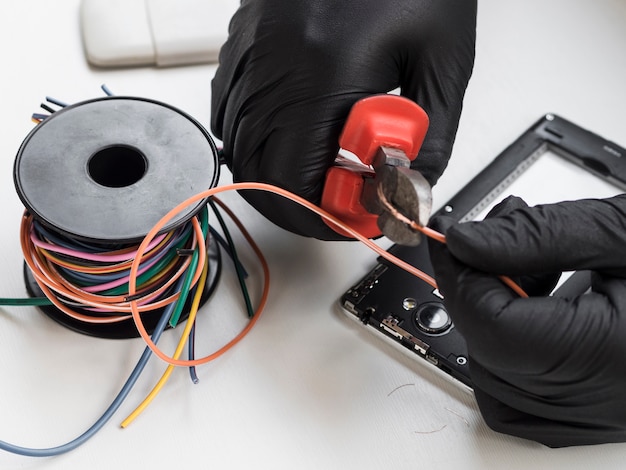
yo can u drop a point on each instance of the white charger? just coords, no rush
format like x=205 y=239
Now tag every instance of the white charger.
x=164 y=33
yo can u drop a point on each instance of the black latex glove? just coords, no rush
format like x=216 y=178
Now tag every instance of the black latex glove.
x=544 y=368
x=292 y=69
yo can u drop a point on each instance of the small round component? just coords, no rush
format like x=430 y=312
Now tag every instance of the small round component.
x=106 y=170
x=432 y=318
x=409 y=303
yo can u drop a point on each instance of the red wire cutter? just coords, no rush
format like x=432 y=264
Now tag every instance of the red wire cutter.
x=385 y=132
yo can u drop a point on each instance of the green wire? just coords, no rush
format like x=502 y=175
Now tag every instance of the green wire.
x=150 y=273
x=154 y=270
x=175 y=317
x=30 y=301
x=184 y=291
x=185 y=288
x=238 y=269
x=120 y=290
x=44 y=301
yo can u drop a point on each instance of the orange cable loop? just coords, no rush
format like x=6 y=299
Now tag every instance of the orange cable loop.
x=50 y=281
x=429 y=232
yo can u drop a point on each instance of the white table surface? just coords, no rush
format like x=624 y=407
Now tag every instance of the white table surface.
x=307 y=388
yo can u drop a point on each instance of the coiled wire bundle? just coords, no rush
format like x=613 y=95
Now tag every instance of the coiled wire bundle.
x=94 y=177
x=87 y=284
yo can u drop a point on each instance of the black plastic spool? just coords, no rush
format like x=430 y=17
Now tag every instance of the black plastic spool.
x=106 y=171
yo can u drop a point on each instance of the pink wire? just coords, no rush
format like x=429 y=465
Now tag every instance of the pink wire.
x=124 y=280
x=90 y=256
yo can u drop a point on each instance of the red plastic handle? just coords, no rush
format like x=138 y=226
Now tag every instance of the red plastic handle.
x=342 y=198
x=373 y=122
x=384 y=120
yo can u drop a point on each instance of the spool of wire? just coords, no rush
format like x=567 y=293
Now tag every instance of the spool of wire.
x=94 y=178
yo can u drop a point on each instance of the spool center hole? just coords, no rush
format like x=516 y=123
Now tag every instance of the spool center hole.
x=117 y=166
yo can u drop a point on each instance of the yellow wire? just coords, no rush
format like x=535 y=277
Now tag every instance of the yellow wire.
x=179 y=349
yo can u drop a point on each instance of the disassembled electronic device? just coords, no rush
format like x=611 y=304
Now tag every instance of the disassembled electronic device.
x=554 y=160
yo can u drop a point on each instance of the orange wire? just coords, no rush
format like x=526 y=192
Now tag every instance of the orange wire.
x=236 y=187
x=45 y=279
x=132 y=284
x=52 y=283
x=121 y=266
x=440 y=237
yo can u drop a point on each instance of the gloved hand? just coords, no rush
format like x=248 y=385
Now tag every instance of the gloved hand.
x=291 y=70
x=547 y=369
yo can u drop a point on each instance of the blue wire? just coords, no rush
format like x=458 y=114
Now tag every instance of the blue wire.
x=113 y=407
x=49 y=99
x=74 y=276
x=87 y=278
x=57 y=240
x=192 y=353
x=228 y=249
x=44 y=234
x=106 y=90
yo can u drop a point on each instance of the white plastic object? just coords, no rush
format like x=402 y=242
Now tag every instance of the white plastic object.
x=154 y=32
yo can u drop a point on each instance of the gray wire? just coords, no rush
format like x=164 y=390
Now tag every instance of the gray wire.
x=110 y=411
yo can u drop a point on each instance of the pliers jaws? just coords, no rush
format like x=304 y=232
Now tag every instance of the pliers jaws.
x=383 y=196
x=398 y=195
